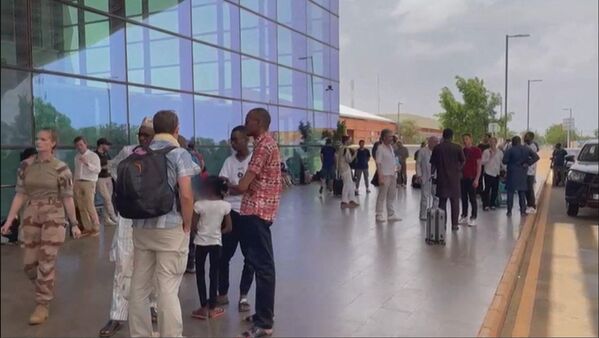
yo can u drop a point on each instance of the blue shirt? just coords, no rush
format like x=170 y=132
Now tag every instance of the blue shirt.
x=328 y=157
x=362 y=159
x=180 y=164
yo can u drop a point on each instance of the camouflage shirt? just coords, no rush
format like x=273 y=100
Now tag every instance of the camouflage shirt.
x=42 y=179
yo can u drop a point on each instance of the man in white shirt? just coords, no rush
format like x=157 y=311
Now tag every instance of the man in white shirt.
x=85 y=176
x=529 y=140
x=386 y=166
x=492 y=161
x=424 y=172
x=233 y=170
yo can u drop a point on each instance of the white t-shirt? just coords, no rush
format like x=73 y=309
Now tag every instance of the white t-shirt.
x=532 y=170
x=211 y=214
x=234 y=170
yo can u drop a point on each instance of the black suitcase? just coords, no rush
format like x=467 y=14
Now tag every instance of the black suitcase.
x=337 y=186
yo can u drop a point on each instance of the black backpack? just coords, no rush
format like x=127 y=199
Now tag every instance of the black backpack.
x=142 y=190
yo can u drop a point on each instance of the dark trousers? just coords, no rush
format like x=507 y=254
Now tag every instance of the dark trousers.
x=521 y=200
x=260 y=257
x=230 y=242
x=191 y=256
x=559 y=175
x=530 y=192
x=202 y=252
x=469 y=194
x=491 y=191
x=455 y=209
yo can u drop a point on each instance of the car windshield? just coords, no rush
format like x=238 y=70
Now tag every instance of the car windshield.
x=589 y=153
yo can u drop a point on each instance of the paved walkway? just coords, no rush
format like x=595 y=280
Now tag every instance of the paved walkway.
x=338 y=274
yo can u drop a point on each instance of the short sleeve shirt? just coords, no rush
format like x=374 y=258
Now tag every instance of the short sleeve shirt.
x=234 y=170
x=328 y=157
x=44 y=179
x=472 y=154
x=263 y=195
x=211 y=214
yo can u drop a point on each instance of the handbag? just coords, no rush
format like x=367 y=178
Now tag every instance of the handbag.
x=375 y=179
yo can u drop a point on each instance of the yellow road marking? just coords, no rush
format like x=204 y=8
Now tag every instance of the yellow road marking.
x=525 y=310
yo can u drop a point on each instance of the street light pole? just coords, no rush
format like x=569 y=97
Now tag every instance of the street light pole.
x=569 y=124
x=528 y=104
x=311 y=82
x=507 y=39
x=398 y=109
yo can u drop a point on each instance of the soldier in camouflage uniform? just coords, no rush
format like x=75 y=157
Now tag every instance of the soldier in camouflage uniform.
x=45 y=187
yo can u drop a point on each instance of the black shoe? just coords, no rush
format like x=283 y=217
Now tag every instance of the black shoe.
x=112 y=327
x=320 y=190
x=455 y=228
x=509 y=214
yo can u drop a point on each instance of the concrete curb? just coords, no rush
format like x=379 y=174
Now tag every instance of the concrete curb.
x=497 y=312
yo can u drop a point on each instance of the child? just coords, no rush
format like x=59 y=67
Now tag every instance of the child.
x=211 y=219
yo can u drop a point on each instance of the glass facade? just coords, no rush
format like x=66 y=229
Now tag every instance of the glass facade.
x=97 y=67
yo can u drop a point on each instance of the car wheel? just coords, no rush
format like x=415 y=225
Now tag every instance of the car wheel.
x=572 y=209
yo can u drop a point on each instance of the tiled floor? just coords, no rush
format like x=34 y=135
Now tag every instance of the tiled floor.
x=338 y=274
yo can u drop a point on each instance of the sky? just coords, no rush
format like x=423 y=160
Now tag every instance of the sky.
x=417 y=47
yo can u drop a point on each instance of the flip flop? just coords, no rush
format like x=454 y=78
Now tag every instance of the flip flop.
x=216 y=312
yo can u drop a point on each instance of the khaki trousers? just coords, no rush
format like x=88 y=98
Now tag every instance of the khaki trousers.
x=105 y=188
x=84 y=193
x=160 y=256
x=43 y=234
x=386 y=196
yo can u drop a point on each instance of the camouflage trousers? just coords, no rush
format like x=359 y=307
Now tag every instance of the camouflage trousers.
x=43 y=235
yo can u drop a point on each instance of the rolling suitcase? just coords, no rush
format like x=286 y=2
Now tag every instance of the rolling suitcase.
x=337 y=186
x=435 y=224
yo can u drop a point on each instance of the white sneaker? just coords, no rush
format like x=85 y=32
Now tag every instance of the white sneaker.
x=472 y=222
x=380 y=219
x=531 y=210
x=463 y=220
x=394 y=218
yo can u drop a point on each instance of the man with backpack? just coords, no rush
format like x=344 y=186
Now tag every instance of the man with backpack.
x=154 y=189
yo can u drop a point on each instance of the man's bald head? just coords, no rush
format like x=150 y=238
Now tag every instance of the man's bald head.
x=257 y=121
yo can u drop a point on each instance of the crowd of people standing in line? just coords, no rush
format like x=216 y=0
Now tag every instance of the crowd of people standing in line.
x=236 y=208
x=446 y=170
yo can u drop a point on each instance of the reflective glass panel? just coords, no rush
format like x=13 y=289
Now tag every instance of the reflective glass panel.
x=216 y=22
x=259 y=81
x=292 y=13
x=216 y=71
x=98 y=109
x=321 y=55
x=289 y=122
x=258 y=36
x=170 y=15
x=71 y=40
x=214 y=120
x=158 y=59
x=14 y=27
x=334 y=6
x=147 y=102
x=334 y=31
x=318 y=22
x=294 y=88
x=267 y=8
x=292 y=49
x=16 y=108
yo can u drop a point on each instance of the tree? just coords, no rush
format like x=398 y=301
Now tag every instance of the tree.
x=596 y=133
x=558 y=134
x=474 y=114
x=409 y=132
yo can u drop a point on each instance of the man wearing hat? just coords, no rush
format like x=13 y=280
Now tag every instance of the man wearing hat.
x=121 y=252
x=104 y=185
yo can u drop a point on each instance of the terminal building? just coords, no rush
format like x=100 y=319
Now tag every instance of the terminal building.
x=97 y=67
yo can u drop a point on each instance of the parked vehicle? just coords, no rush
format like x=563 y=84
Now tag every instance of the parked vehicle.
x=571 y=157
x=582 y=182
